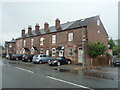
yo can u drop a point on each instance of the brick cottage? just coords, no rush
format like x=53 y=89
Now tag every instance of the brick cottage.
x=69 y=39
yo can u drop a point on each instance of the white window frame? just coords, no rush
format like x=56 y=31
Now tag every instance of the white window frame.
x=18 y=44
x=32 y=42
x=98 y=22
x=41 y=50
x=42 y=40
x=70 y=51
x=10 y=45
x=47 y=52
x=54 y=39
x=24 y=43
x=53 y=51
x=70 y=36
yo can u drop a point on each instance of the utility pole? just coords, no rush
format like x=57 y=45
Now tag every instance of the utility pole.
x=83 y=39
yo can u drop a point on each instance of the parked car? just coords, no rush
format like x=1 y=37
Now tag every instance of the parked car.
x=41 y=58
x=59 y=61
x=16 y=57
x=27 y=57
x=116 y=61
x=12 y=57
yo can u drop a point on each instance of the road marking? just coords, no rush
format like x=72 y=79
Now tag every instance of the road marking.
x=24 y=69
x=70 y=83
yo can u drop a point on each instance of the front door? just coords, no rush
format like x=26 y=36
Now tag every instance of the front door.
x=80 y=55
x=47 y=52
x=61 y=53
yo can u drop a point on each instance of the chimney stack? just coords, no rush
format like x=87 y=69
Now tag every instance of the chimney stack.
x=22 y=32
x=46 y=27
x=37 y=28
x=57 y=23
x=29 y=29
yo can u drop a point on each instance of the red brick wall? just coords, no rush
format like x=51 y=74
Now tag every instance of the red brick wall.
x=93 y=35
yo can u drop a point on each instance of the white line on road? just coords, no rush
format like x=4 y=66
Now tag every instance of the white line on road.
x=70 y=83
x=24 y=69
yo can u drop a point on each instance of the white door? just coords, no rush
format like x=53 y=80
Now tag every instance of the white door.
x=80 y=55
x=47 y=52
x=61 y=53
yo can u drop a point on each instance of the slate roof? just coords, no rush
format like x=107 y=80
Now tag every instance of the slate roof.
x=65 y=26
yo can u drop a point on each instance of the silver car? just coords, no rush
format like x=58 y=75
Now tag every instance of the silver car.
x=41 y=58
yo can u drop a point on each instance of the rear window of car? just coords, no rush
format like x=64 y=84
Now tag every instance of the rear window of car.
x=35 y=55
x=58 y=58
x=43 y=55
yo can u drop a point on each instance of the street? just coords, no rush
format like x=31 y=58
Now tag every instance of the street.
x=18 y=74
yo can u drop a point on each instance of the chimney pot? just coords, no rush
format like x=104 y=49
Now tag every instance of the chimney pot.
x=57 y=23
x=46 y=26
x=29 y=29
x=23 y=32
x=37 y=28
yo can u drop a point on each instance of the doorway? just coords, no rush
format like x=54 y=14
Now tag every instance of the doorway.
x=80 y=55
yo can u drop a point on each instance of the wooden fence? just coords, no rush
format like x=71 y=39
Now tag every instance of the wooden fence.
x=98 y=61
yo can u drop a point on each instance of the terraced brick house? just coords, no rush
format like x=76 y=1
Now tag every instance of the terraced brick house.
x=69 y=39
x=10 y=46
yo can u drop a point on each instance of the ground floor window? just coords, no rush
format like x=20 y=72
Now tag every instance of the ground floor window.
x=70 y=51
x=41 y=51
x=53 y=51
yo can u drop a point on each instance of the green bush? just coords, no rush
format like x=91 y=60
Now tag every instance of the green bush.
x=96 y=49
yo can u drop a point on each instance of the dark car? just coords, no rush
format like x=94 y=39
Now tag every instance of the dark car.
x=12 y=57
x=16 y=57
x=59 y=61
x=9 y=56
x=116 y=61
x=27 y=57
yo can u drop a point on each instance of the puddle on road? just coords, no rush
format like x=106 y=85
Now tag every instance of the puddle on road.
x=98 y=75
x=14 y=62
x=27 y=64
x=86 y=73
x=66 y=70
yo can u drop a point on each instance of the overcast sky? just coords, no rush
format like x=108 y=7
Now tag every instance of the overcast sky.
x=18 y=15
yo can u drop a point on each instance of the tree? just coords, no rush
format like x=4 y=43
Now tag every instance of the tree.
x=96 y=49
x=111 y=43
x=116 y=50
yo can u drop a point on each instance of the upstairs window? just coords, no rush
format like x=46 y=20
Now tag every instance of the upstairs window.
x=98 y=22
x=10 y=45
x=24 y=43
x=70 y=36
x=18 y=44
x=42 y=41
x=32 y=42
x=54 y=39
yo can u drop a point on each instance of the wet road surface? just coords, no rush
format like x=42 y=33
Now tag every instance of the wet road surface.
x=17 y=74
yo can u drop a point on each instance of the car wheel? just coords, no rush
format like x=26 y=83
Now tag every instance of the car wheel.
x=69 y=62
x=58 y=63
x=16 y=58
x=40 y=62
